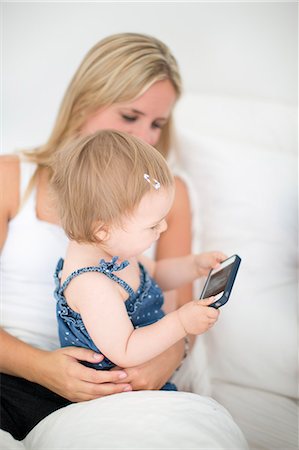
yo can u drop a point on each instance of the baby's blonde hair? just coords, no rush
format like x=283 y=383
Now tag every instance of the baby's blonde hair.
x=98 y=179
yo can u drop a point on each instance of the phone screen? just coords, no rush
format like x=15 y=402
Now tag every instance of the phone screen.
x=217 y=281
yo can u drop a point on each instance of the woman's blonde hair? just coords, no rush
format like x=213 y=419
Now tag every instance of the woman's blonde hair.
x=98 y=179
x=119 y=68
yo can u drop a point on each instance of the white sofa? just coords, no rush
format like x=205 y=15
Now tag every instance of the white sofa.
x=240 y=155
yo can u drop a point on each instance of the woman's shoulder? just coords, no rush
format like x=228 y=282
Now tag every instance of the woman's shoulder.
x=13 y=168
x=186 y=193
x=181 y=193
x=9 y=162
x=9 y=170
x=10 y=181
x=180 y=183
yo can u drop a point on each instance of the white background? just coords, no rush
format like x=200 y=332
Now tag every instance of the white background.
x=237 y=49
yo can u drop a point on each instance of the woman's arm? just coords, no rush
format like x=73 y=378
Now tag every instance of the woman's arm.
x=177 y=239
x=59 y=370
x=9 y=191
x=156 y=372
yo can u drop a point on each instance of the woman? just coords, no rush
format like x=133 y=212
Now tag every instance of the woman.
x=129 y=82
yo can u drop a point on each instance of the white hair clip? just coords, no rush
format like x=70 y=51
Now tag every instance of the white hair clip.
x=152 y=181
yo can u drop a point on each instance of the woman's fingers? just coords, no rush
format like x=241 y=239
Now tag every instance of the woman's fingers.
x=83 y=354
x=86 y=383
x=100 y=376
x=88 y=391
x=89 y=374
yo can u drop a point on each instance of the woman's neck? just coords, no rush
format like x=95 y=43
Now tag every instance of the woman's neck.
x=45 y=204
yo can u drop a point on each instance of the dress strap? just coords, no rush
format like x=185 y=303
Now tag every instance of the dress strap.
x=105 y=267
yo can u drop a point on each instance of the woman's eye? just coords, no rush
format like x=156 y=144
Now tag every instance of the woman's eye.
x=129 y=118
x=157 y=125
x=155 y=227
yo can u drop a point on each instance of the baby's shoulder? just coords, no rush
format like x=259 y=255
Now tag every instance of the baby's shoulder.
x=86 y=286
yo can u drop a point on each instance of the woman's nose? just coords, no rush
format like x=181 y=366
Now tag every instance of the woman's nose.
x=147 y=135
x=163 y=226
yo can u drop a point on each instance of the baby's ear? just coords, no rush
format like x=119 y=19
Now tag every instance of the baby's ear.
x=101 y=231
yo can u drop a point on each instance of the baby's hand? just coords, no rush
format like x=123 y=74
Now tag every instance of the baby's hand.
x=196 y=317
x=204 y=262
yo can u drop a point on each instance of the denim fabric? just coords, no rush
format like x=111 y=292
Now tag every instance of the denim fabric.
x=144 y=307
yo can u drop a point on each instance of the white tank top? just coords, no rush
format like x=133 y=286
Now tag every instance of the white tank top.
x=28 y=262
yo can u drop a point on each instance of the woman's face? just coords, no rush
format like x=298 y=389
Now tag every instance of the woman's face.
x=143 y=117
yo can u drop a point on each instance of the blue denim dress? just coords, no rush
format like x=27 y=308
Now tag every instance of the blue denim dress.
x=144 y=307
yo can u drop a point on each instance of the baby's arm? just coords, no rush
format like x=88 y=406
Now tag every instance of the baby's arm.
x=172 y=273
x=104 y=314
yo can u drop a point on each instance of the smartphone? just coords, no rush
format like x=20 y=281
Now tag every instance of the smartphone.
x=220 y=281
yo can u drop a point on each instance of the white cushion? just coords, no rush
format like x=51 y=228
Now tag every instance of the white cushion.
x=9 y=443
x=247 y=205
x=139 y=420
x=272 y=125
x=269 y=421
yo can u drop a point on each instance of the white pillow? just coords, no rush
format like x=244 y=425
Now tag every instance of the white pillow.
x=258 y=121
x=247 y=205
x=9 y=443
x=139 y=420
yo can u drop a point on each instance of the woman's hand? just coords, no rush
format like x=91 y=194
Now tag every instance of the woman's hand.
x=153 y=374
x=204 y=262
x=61 y=372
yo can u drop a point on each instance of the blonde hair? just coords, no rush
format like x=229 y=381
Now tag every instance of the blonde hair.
x=98 y=179
x=119 y=68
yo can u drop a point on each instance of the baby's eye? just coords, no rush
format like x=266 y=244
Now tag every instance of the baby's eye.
x=129 y=118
